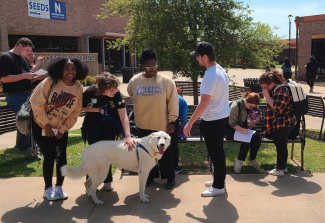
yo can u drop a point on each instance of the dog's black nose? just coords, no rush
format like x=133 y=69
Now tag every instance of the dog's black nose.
x=162 y=144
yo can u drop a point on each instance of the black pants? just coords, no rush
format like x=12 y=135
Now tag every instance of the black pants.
x=213 y=132
x=174 y=144
x=166 y=163
x=102 y=131
x=254 y=145
x=47 y=146
x=280 y=139
x=310 y=80
x=287 y=75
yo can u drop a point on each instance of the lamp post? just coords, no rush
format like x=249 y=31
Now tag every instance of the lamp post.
x=290 y=17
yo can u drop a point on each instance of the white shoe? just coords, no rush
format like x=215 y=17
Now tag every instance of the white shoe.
x=238 y=165
x=109 y=186
x=50 y=194
x=210 y=183
x=59 y=190
x=254 y=164
x=275 y=172
x=285 y=170
x=213 y=192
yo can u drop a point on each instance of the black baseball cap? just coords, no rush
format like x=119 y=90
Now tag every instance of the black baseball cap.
x=203 y=48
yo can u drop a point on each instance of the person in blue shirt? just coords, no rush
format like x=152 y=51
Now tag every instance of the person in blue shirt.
x=179 y=125
x=286 y=68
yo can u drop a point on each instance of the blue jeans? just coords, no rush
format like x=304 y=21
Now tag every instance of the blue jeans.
x=15 y=101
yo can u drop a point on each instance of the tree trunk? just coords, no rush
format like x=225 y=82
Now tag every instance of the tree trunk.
x=195 y=92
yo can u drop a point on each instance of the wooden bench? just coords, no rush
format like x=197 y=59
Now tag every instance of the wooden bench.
x=316 y=108
x=196 y=136
x=234 y=91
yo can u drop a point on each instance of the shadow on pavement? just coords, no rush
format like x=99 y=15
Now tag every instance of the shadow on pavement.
x=218 y=210
x=257 y=179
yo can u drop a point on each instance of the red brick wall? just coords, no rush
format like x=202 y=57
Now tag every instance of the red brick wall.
x=307 y=29
x=80 y=20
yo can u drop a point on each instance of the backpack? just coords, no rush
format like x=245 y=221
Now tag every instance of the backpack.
x=25 y=114
x=228 y=131
x=299 y=97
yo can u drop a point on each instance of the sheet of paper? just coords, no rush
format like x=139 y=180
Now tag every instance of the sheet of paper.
x=244 y=137
x=40 y=72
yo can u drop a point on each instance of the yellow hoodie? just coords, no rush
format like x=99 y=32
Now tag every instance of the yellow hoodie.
x=64 y=106
x=156 y=101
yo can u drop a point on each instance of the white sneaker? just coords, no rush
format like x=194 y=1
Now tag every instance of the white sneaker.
x=275 y=172
x=238 y=165
x=109 y=186
x=254 y=163
x=210 y=183
x=213 y=192
x=285 y=170
x=63 y=195
x=50 y=194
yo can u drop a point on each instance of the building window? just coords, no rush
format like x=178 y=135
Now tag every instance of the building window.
x=48 y=43
x=318 y=50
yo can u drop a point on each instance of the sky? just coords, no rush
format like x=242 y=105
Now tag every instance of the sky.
x=275 y=13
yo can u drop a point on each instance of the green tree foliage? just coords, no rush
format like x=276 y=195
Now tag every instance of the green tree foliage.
x=174 y=27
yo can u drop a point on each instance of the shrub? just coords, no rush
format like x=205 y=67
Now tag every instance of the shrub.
x=88 y=81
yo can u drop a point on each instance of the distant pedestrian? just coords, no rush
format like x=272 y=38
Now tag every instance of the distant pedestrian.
x=311 y=72
x=34 y=66
x=214 y=111
x=286 y=68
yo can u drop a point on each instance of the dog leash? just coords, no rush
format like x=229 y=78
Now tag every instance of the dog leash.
x=142 y=147
x=108 y=116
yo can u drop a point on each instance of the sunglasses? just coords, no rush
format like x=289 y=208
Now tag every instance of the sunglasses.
x=152 y=68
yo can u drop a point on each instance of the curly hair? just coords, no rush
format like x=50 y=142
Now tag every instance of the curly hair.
x=147 y=54
x=56 y=65
x=105 y=82
x=251 y=97
x=273 y=76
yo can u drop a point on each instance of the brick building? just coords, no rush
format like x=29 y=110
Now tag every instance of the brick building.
x=311 y=34
x=78 y=32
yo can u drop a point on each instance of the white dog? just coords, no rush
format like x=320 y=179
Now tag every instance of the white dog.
x=97 y=158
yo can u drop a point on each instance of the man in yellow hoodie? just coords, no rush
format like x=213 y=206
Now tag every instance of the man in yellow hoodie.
x=155 y=109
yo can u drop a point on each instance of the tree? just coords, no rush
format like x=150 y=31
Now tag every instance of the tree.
x=174 y=27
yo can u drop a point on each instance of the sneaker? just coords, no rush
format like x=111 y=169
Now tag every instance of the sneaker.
x=311 y=90
x=178 y=169
x=285 y=170
x=149 y=182
x=275 y=172
x=32 y=154
x=170 y=184
x=50 y=194
x=238 y=165
x=213 y=192
x=254 y=164
x=59 y=190
x=210 y=183
x=109 y=186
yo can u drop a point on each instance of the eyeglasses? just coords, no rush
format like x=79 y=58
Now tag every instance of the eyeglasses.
x=152 y=68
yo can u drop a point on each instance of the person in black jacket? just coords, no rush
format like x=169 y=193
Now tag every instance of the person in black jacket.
x=311 y=72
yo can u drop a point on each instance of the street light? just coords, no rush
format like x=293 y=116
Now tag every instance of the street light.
x=290 y=17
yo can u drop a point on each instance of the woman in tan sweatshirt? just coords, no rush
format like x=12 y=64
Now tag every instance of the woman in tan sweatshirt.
x=56 y=104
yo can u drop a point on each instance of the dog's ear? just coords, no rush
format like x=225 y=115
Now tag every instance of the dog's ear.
x=152 y=135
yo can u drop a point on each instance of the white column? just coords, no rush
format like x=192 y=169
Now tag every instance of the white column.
x=103 y=53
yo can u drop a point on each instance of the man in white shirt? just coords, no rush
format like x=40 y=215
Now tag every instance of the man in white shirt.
x=214 y=111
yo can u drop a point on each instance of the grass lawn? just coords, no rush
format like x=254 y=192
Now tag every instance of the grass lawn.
x=193 y=157
x=3 y=103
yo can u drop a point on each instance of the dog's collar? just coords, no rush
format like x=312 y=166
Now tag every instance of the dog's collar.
x=142 y=147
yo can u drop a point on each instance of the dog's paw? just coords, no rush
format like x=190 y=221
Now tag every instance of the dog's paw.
x=99 y=202
x=146 y=195
x=144 y=200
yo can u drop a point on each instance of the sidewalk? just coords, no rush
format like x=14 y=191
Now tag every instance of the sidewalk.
x=249 y=198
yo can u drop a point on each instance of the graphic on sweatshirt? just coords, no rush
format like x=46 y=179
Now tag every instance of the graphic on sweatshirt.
x=61 y=104
x=148 y=90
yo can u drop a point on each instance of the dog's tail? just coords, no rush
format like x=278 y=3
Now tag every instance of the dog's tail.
x=74 y=173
